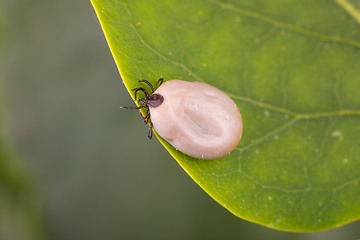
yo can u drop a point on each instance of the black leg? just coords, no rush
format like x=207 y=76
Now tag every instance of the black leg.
x=147 y=116
x=140 y=89
x=132 y=107
x=150 y=85
x=150 y=130
x=159 y=82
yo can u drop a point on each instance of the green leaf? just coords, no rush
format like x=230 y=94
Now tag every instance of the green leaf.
x=292 y=67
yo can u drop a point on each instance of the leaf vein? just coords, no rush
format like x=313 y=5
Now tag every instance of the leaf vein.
x=160 y=55
x=291 y=27
x=340 y=112
x=267 y=135
x=350 y=9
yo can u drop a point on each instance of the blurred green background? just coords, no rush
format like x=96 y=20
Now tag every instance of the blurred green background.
x=93 y=172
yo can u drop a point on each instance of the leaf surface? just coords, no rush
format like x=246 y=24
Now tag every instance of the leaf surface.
x=292 y=67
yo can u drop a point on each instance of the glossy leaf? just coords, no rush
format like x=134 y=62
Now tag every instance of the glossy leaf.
x=292 y=67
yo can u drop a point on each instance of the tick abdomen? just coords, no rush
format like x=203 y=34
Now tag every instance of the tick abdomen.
x=197 y=119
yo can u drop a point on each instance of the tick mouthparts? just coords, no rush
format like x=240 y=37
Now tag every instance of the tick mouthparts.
x=143 y=101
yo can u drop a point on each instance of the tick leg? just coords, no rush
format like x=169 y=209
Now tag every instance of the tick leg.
x=132 y=107
x=146 y=117
x=143 y=117
x=140 y=89
x=150 y=85
x=150 y=130
x=159 y=82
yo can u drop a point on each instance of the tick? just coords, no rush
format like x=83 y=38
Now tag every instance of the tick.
x=195 y=118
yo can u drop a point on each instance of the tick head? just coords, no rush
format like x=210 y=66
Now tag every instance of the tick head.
x=143 y=101
x=153 y=100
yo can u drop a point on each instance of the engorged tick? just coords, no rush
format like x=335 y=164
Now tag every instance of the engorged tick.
x=195 y=118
